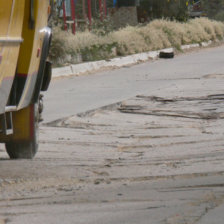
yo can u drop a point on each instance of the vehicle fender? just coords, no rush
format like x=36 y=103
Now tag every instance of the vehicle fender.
x=44 y=71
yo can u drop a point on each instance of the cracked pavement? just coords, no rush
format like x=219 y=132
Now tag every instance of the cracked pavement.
x=156 y=157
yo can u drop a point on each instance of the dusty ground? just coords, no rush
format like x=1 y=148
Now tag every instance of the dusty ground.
x=154 y=158
x=148 y=158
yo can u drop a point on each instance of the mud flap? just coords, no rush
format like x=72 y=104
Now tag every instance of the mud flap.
x=23 y=144
x=47 y=76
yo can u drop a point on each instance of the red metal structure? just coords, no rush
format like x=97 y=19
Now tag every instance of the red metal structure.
x=89 y=13
x=74 y=17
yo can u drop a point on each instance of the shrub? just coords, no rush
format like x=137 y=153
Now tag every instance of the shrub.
x=158 y=34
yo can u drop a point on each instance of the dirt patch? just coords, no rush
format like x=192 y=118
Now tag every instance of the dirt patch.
x=206 y=107
x=214 y=76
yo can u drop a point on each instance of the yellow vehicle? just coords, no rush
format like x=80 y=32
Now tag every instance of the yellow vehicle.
x=24 y=72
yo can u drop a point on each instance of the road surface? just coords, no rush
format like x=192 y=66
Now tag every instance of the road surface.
x=69 y=96
x=142 y=144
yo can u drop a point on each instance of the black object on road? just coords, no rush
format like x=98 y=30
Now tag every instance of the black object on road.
x=164 y=54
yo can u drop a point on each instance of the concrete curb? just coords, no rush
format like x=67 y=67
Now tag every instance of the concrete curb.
x=78 y=69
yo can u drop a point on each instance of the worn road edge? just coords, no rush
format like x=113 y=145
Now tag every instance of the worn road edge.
x=86 y=67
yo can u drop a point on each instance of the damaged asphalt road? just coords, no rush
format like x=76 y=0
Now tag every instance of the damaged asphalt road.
x=156 y=157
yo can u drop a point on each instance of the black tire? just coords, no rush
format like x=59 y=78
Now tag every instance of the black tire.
x=163 y=54
x=26 y=149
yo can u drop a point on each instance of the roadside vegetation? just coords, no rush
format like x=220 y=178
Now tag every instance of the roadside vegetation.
x=89 y=46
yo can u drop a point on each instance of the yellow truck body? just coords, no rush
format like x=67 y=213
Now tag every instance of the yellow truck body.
x=24 y=71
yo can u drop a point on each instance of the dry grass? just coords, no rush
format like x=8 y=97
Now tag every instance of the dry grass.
x=67 y=48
